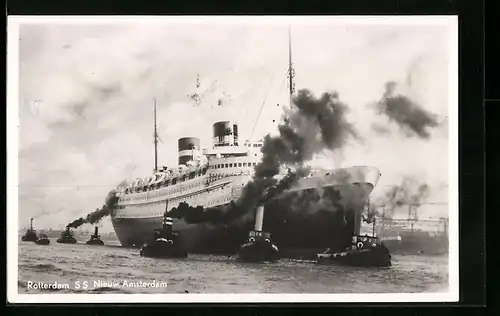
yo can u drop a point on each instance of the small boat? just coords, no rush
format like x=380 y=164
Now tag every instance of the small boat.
x=365 y=251
x=42 y=240
x=95 y=239
x=30 y=234
x=66 y=237
x=259 y=247
x=165 y=243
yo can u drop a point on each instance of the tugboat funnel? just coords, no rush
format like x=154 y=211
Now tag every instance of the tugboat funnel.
x=259 y=218
x=96 y=230
x=167 y=226
x=165 y=243
x=31 y=224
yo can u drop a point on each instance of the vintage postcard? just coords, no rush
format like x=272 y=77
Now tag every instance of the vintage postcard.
x=232 y=159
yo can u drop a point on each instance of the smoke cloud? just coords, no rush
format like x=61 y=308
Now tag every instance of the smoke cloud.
x=98 y=214
x=311 y=126
x=409 y=115
x=409 y=191
x=196 y=215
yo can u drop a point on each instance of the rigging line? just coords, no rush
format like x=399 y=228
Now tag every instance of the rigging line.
x=262 y=105
x=247 y=108
x=155 y=137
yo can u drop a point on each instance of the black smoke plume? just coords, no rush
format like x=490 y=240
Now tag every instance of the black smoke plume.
x=409 y=115
x=311 y=126
x=98 y=214
x=260 y=191
x=196 y=215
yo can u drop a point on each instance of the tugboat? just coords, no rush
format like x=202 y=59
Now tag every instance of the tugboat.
x=365 y=251
x=95 y=239
x=66 y=237
x=259 y=247
x=42 y=240
x=165 y=243
x=30 y=233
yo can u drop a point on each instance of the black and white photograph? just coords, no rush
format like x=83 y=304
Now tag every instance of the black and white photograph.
x=232 y=159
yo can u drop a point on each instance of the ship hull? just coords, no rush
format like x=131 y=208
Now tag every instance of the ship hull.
x=312 y=214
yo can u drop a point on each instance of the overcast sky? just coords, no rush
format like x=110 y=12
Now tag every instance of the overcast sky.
x=92 y=126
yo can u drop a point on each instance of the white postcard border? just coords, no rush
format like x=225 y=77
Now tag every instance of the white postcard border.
x=13 y=148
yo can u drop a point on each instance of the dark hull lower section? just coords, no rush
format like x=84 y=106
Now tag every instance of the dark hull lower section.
x=95 y=242
x=42 y=242
x=66 y=241
x=305 y=219
x=258 y=252
x=29 y=237
x=163 y=250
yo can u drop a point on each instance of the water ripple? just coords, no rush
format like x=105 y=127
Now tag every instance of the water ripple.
x=218 y=274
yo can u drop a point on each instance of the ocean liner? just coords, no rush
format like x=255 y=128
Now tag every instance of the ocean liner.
x=214 y=177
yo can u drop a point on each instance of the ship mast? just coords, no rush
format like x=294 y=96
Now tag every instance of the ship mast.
x=155 y=138
x=290 y=74
x=291 y=71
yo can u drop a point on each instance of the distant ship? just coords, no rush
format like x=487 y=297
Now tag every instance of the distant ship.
x=214 y=177
x=401 y=239
x=30 y=234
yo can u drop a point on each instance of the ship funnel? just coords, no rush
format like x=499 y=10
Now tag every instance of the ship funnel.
x=225 y=134
x=96 y=230
x=189 y=148
x=259 y=218
x=31 y=224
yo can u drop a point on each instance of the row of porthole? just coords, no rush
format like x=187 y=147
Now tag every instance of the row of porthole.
x=219 y=201
x=157 y=194
x=161 y=214
x=189 y=196
x=172 y=201
x=236 y=165
x=170 y=191
x=215 y=177
x=190 y=186
x=184 y=199
x=254 y=145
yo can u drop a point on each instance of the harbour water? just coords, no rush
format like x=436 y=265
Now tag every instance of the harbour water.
x=80 y=268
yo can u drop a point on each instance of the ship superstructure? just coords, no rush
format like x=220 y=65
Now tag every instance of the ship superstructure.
x=210 y=178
